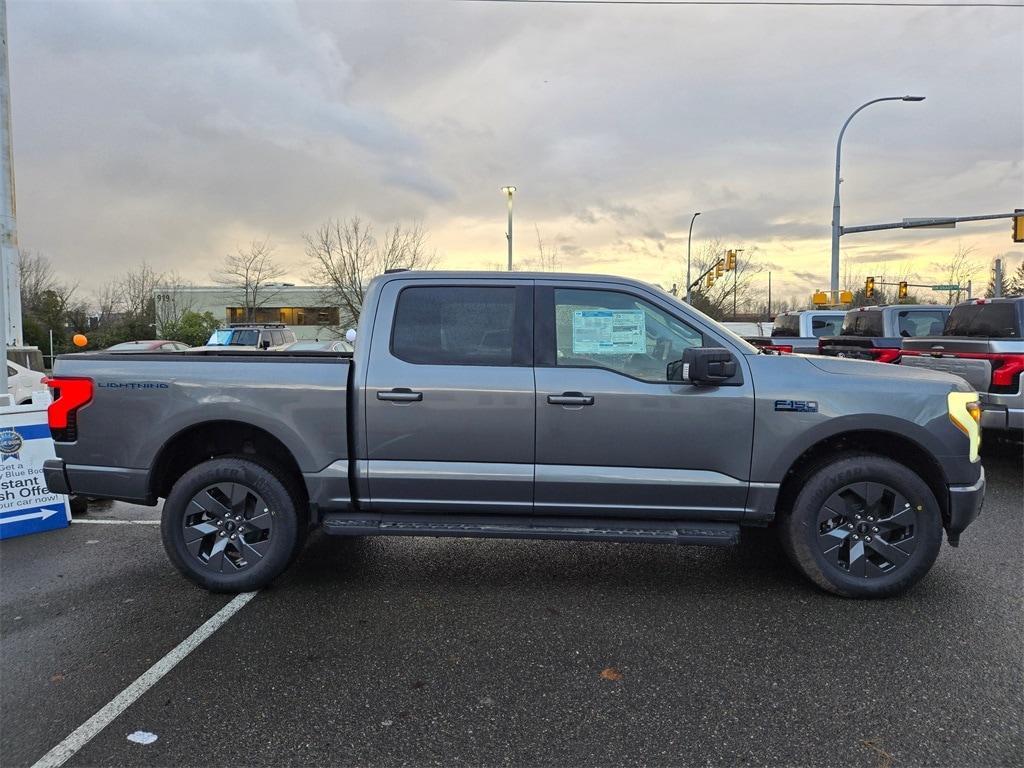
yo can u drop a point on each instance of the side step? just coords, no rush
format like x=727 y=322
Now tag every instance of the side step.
x=710 y=533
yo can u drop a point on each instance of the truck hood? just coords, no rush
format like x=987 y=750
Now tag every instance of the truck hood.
x=848 y=367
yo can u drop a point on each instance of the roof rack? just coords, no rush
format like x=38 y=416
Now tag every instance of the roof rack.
x=256 y=325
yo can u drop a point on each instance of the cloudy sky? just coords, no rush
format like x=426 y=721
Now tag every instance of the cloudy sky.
x=172 y=132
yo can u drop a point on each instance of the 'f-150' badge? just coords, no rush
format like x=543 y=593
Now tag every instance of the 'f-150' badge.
x=800 y=406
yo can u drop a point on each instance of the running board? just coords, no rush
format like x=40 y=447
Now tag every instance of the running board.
x=518 y=527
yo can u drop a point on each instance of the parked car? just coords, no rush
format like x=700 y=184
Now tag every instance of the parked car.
x=238 y=336
x=526 y=405
x=149 y=345
x=878 y=333
x=331 y=345
x=798 y=331
x=982 y=342
x=22 y=382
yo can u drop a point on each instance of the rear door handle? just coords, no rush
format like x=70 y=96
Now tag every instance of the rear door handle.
x=401 y=395
x=571 y=398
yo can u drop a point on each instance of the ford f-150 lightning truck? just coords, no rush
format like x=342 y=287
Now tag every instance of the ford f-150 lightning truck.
x=526 y=406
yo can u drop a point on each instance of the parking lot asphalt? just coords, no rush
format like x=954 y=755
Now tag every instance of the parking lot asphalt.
x=396 y=651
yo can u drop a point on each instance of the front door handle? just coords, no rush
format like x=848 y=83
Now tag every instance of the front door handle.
x=571 y=398
x=401 y=395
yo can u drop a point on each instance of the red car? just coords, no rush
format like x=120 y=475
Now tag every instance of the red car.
x=149 y=345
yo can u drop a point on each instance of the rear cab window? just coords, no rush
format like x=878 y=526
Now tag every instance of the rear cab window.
x=991 y=320
x=786 y=325
x=862 y=324
x=826 y=325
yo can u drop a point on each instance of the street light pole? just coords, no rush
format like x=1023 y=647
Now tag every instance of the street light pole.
x=837 y=228
x=688 y=238
x=510 y=191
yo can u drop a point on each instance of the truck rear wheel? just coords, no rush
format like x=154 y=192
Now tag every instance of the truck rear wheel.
x=230 y=525
x=863 y=526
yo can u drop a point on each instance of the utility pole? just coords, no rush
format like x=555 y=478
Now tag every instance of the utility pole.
x=510 y=191
x=10 y=282
x=769 y=313
x=688 y=238
x=997 y=283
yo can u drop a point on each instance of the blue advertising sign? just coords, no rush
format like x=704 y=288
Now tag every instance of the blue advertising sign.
x=26 y=506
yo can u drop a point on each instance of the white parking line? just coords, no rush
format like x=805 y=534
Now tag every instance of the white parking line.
x=119 y=522
x=87 y=730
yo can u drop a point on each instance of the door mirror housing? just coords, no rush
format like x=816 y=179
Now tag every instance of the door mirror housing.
x=703 y=365
x=265 y=344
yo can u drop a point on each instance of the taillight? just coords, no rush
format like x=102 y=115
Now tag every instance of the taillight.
x=885 y=355
x=69 y=395
x=1006 y=370
x=782 y=349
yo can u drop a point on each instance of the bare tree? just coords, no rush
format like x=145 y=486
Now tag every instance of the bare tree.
x=249 y=273
x=961 y=268
x=173 y=298
x=546 y=260
x=344 y=256
x=719 y=298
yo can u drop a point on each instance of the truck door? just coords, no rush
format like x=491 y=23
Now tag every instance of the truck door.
x=449 y=397
x=615 y=438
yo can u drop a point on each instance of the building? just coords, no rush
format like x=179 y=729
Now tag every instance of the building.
x=300 y=307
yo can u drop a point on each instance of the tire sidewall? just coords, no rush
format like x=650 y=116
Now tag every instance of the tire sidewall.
x=801 y=528
x=262 y=480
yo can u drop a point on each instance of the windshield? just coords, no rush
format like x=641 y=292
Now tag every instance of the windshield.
x=234 y=338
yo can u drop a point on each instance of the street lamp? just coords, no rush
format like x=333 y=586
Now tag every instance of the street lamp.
x=836 y=226
x=688 y=237
x=510 y=191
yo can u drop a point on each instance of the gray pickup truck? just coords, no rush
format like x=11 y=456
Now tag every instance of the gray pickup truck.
x=982 y=342
x=525 y=406
x=878 y=333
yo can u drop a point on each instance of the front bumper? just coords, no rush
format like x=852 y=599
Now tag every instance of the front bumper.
x=965 y=502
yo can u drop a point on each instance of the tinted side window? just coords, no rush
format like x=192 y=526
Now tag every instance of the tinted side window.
x=454 y=325
x=920 y=322
x=608 y=329
x=995 y=321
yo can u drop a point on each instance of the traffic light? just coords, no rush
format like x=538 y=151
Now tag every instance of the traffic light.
x=869 y=288
x=719 y=268
x=711 y=279
x=819 y=298
x=902 y=290
x=1018 y=225
x=845 y=297
x=730 y=260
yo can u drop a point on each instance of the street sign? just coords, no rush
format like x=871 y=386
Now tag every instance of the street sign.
x=26 y=505
x=945 y=287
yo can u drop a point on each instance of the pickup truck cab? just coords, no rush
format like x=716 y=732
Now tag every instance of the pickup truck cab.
x=525 y=406
x=982 y=342
x=878 y=333
x=798 y=331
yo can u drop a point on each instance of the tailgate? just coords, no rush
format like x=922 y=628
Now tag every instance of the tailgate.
x=977 y=373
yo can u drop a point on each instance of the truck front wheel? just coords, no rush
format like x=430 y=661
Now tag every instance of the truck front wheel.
x=230 y=525
x=863 y=526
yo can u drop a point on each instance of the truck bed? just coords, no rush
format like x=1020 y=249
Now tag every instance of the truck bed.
x=295 y=399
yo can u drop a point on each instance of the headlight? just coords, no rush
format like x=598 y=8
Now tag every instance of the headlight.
x=965 y=413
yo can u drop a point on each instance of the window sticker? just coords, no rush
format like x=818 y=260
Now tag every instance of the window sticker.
x=608 y=332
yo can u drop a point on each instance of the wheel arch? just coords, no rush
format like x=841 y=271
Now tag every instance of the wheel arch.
x=217 y=438
x=892 y=445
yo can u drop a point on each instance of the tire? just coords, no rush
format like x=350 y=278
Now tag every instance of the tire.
x=863 y=526
x=231 y=525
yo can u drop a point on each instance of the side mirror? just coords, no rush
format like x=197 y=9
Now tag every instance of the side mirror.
x=265 y=344
x=703 y=365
